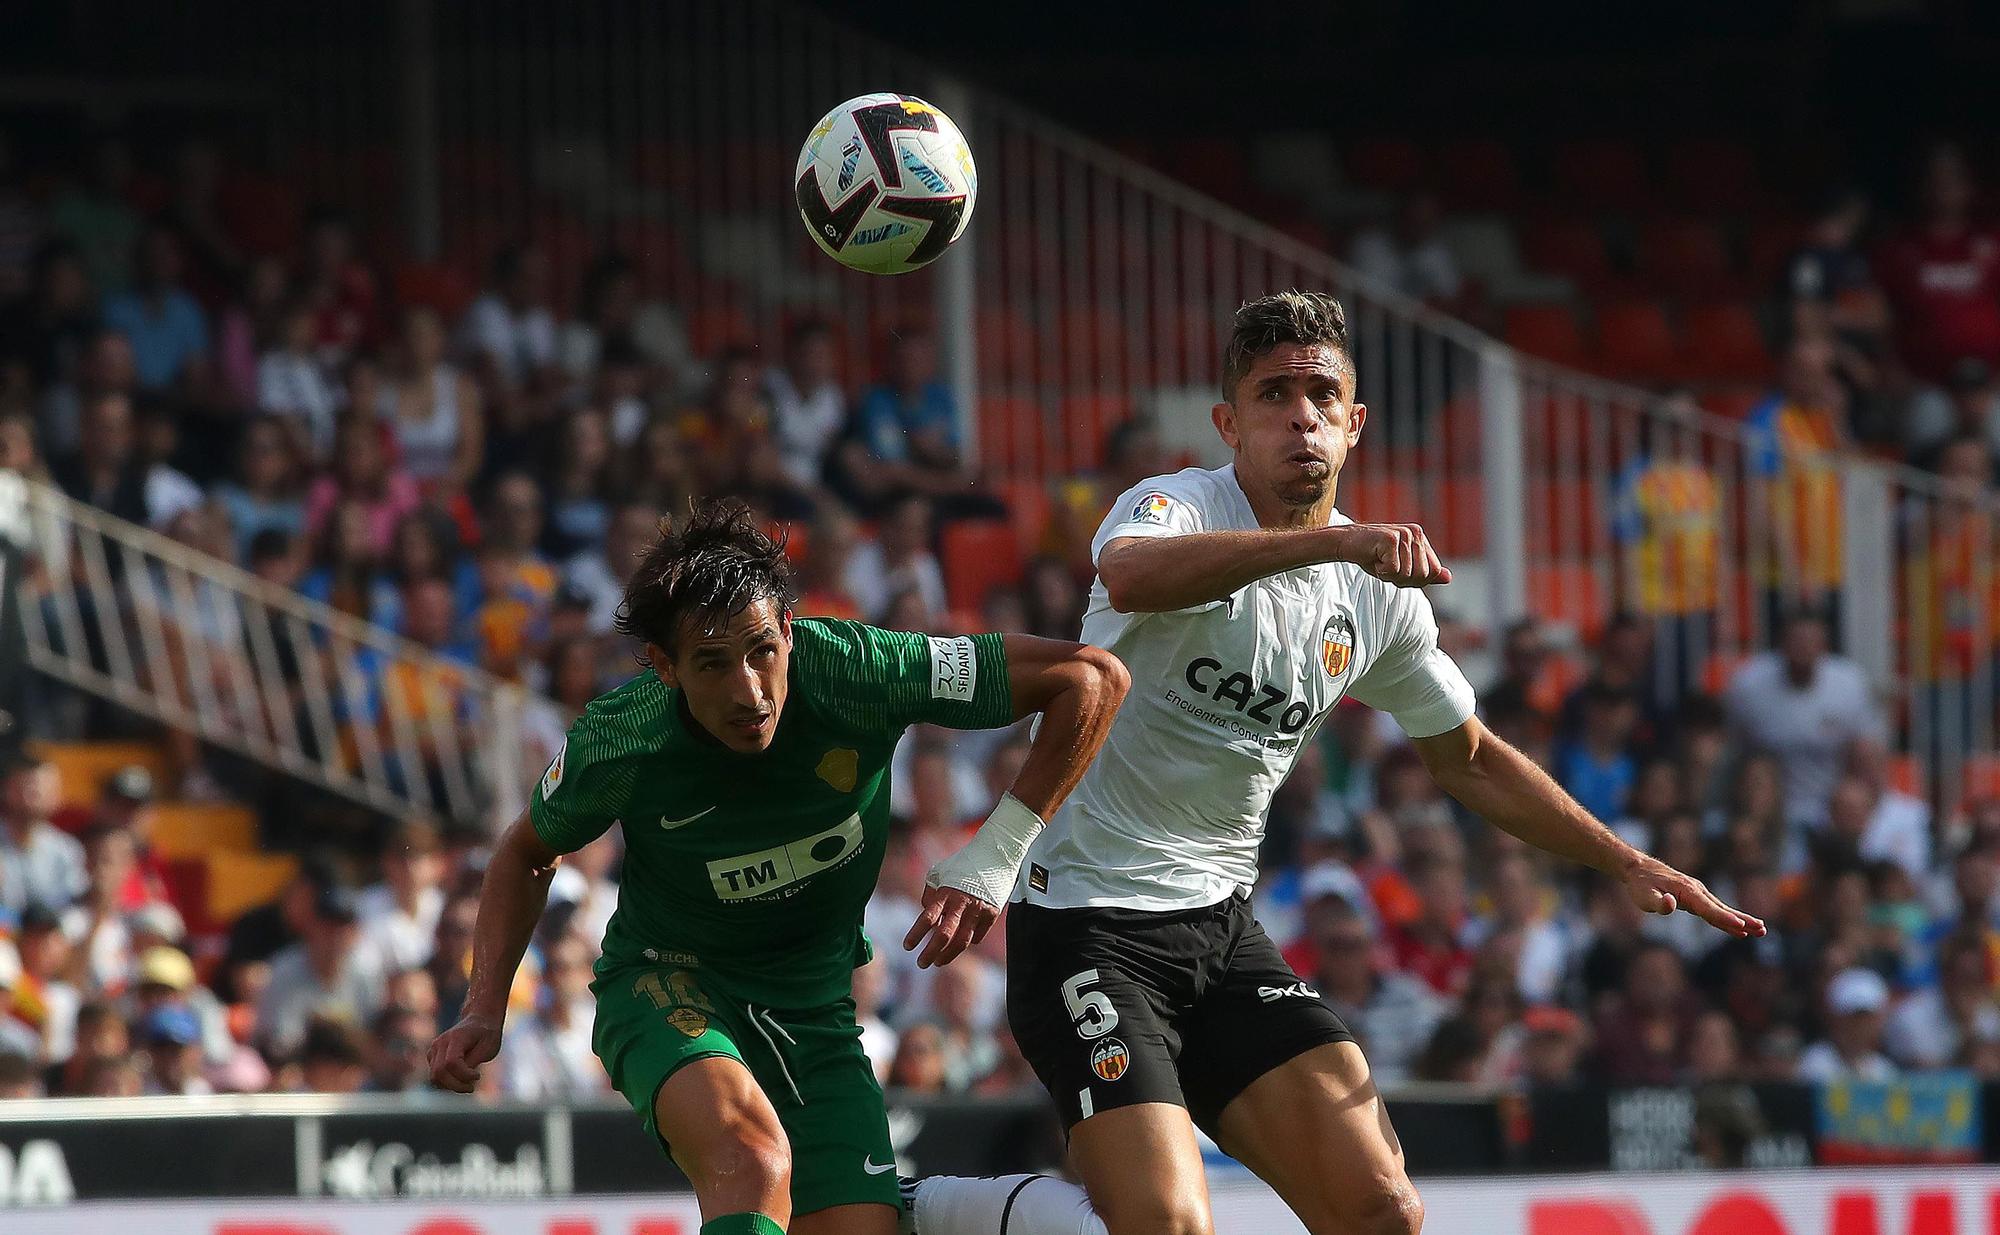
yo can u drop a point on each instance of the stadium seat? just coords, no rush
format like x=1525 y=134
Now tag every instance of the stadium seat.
x=192 y=829
x=1771 y=244
x=1569 y=592
x=1545 y=330
x=186 y=881
x=1381 y=497
x=435 y=285
x=1733 y=403
x=1028 y=509
x=1602 y=174
x=1008 y=345
x=977 y=555
x=1393 y=163
x=240 y=881
x=1092 y=342
x=1635 y=340
x=1717 y=670
x=714 y=328
x=1711 y=175
x=1572 y=248
x=1982 y=776
x=1479 y=174
x=1215 y=165
x=1686 y=258
x=1087 y=421
x=1013 y=436
x=83 y=768
x=1462 y=530
x=1725 y=343
x=1905 y=773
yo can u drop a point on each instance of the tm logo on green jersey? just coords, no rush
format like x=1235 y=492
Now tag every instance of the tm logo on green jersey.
x=767 y=871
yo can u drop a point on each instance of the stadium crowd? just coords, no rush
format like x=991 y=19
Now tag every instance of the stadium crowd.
x=478 y=482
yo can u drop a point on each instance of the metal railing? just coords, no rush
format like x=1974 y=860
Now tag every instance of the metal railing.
x=191 y=641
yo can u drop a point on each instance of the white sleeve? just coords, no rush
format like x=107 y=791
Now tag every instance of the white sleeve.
x=1162 y=506
x=1411 y=678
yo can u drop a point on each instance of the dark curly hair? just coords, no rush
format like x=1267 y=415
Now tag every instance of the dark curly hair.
x=716 y=565
x=1284 y=317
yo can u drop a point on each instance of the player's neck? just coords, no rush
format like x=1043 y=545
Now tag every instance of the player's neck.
x=1275 y=515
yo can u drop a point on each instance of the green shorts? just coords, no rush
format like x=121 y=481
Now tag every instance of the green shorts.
x=809 y=1063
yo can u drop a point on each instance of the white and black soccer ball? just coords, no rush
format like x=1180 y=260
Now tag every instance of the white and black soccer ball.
x=886 y=183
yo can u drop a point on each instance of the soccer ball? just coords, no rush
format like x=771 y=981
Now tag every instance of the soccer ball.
x=886 y=183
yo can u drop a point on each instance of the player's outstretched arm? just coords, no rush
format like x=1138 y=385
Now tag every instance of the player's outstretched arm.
x=511 y=899
x=1076 y=689
x=1159 y=574
x=1505 y=787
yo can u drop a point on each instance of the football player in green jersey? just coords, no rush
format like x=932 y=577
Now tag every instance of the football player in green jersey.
x=750 y=769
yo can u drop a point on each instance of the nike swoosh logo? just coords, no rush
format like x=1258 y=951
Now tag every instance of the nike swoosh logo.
x=868 y=1165
x=671 y=824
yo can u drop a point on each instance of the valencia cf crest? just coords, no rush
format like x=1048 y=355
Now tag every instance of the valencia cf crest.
x=1109 y=1059
x=1336 y=645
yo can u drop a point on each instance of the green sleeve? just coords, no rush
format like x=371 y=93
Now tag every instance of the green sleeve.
x=884 y=681
x=583 y=792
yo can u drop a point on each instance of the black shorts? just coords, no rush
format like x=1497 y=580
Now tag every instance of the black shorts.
x=1114 y=1007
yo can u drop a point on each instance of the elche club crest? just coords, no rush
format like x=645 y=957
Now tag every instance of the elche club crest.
x=1109 y=1059
x=1336 y=645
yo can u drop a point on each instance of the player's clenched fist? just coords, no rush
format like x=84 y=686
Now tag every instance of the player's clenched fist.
x=1397 y=552
x=456 y=1054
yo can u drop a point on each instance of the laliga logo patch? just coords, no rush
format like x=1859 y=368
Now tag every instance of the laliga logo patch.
x=1336 y=645
x=553 y=777
x=1152 y=508
x=1110 y=1059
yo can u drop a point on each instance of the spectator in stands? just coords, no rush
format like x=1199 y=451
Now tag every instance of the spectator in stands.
x=39 y=862
x=1942 y=273
x=1642 y=1038
x=1794 y=443
x=171 y=1036
x=433 y=411
x=831 y=543
x=293 y=385
x=605 y=311
x=346 y=571
x=510 y=331
x=250 y=325
x=1967 y=405
x=20 y=225
x=451 y=959
x=1552 y=1046
x=1431 y=945
x=265 y=495
x=600 y=573
x=584 y=881
x=1806 y=706
x=1856 y=1002
x=919 y=1067
x=898 y=559
x=102 y=1033
x=877 y=1039
x=808 y=405
x=114 y=1078
x=1410 y=258
x=546 y=1055
x=1392 y=1012
x=1524 y=906
x=97 y=217
x=579 y=486
x=905 y=437
x=19 y=1078
x=1829 y=286
x=401 y=1042
x=399 y=915
x=341 y=289
x=958 y=993
x=621 y=390
x=45 y=330
x=1941 y=1025
x=16 y=1036
x=660 y=471
x=1598 y=768
x=1970 y=897
x=96 y=923
x=46 y=999
x=1055 y=603
x=1622 y=661
x=105 y=469
x=361 y=474
x=167 y=326
x=1858 y=821
x=327 y=971
x=333 y=1055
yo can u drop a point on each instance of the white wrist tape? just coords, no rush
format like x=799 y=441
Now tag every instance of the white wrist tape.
x=989 y=863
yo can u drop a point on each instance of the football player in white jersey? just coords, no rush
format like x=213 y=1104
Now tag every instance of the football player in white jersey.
x=1145 y=994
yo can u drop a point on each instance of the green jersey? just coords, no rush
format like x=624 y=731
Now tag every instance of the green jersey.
x=754 y=870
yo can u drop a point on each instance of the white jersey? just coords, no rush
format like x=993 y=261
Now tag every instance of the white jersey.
x=1223 y=696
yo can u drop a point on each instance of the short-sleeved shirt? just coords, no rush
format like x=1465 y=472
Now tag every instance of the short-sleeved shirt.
x=754 y=869
x=887 y=419
x=1224 y=695
x=1808 y=728
x=165 y=336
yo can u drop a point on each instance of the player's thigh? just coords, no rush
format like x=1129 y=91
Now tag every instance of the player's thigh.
x=846 y=1220
x=838 y=1123
x=1142 y=1167
x=1316 y=1130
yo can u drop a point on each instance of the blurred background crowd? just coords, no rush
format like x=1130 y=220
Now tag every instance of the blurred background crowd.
x=475 y=473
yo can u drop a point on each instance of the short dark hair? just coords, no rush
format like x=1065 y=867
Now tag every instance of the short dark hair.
x=1305 y=318
x=717 y=564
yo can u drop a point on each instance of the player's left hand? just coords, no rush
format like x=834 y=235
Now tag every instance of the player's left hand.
x=954 y=920
x=1658 y=888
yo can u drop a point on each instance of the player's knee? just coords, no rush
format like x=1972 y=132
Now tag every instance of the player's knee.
x=1390 y=1207
x=743 y=1160
x=1166 y=1215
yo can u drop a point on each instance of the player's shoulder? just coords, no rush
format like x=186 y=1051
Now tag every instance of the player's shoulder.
x=1212 y=491
x=628 y=721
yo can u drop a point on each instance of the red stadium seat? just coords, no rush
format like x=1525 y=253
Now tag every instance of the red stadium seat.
x=1905 y=773
x=1710 y=175
x=1377 y=497
x=1215 y=165
x=1546 y=330
x=1462 y=531
x=1982 y=776
x=1008 y=345
x=1603 y=174
x=1013 y=437
x=1772 y=243
x=1733 y=403
x=1093 y=343
x=1686 y=258
x=1571 y=248
x=1479 y=174
x=1394 y=163
x=1087 y=421
x=1568 y=592
x=1634 y=339
x=977 y=556
x=1725 y=343
x=436 y=286
x=714 y=328
x=1028 y=509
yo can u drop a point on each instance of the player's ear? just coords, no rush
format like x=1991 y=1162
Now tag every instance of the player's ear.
x=1356 y=417
x=1224 y=416
x=663 y=665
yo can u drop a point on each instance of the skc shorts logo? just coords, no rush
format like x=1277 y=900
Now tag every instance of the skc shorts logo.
x=1152 y=508
x=1109 y=1059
